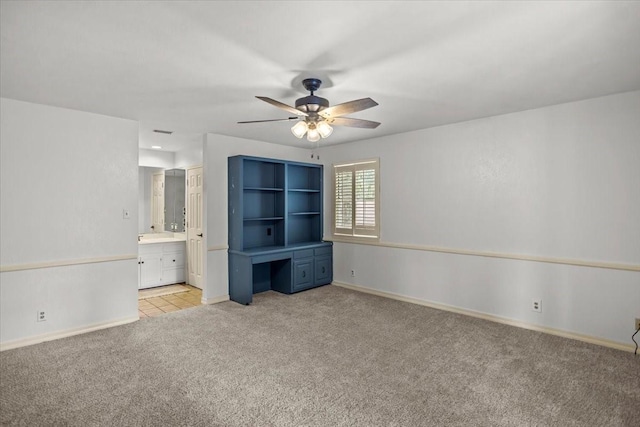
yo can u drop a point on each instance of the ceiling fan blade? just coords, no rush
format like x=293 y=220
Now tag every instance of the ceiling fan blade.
x=271 y=120
x=283 y=106
x=354 y=123
x=348 y=108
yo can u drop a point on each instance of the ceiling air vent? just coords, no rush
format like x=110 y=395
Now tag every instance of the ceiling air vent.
x=166 y=132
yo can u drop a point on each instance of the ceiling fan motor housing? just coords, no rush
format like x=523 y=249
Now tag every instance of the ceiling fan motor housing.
x=311 y=104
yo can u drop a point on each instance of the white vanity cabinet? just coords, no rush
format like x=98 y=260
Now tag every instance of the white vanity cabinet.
x=150 y=266
x=173 y=270
x=161 y=264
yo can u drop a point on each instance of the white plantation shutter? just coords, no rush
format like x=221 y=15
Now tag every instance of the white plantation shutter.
x=343 y=214
x=365 y=199
x=356 y=187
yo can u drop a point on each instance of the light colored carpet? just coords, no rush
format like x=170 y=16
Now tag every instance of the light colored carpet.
x=162 y=291
x=324 y=357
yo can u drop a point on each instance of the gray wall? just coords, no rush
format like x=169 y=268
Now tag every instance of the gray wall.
x=560 y=183
x=66 y=249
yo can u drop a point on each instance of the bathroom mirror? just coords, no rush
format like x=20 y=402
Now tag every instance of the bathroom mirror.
x=165 y=207
x=174 y=200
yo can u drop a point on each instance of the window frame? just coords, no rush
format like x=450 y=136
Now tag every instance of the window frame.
x=355 y=232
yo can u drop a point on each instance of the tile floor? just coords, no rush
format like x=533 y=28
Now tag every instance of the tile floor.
x=156 y=306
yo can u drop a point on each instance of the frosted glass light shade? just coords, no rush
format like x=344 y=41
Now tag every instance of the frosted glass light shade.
x=324 y=129
x=313 y=135
x=299 y=129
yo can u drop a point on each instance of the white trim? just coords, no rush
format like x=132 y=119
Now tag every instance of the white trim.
x=215 y=300
x=577 y=262
x=498 y=319
x=66 y=263
x=64 y=334
x=217 y=248
x=358 y=162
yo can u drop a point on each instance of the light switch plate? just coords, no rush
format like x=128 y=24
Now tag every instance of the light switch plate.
x=126 y=214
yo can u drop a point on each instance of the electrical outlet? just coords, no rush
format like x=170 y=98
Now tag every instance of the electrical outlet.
x=353 y=273
x=637 y=323
x=42 y=316
x=536 y=305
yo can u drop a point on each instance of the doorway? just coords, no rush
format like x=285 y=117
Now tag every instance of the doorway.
x=171 y=226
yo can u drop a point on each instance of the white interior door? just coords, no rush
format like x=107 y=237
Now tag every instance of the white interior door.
x=157 y=203
x=195 y=240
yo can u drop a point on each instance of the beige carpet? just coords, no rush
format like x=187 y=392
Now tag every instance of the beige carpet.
x=325 y=357
x=162 y=291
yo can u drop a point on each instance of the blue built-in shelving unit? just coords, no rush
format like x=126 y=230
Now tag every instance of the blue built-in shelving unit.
x=275 y=227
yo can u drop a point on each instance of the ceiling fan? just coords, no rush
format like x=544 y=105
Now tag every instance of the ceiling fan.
x=315 y=116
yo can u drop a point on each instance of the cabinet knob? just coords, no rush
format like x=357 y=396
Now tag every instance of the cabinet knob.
x=199 y=235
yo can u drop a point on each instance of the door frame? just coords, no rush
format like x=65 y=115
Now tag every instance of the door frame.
x=204 y=229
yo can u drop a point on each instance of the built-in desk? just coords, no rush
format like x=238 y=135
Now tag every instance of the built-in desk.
x=285 y=269
x=275 y=227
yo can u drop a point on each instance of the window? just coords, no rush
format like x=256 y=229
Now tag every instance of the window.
x=356 y=199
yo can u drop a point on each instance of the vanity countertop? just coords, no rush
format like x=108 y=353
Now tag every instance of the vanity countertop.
x=153 y=238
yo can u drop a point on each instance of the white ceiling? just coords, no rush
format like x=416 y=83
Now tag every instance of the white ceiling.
x=195 y=67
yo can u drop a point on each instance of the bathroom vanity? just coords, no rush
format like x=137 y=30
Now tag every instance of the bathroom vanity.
x=161 y=259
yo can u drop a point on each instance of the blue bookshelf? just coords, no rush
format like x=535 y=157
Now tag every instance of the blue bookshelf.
x=275 y=227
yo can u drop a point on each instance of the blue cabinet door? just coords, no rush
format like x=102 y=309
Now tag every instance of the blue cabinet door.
x=323 y=273
x=302 y=274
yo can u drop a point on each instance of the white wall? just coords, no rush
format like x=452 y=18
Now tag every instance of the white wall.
x=156 y=158
x=217 y=148
x=559 y=182
x=182 y=159
x=66 y=177
x=188 y=157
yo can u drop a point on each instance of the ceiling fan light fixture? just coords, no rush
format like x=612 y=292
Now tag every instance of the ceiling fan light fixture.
x=315 y=116
x=313 y=135
x=324 y=129
x=299 y=129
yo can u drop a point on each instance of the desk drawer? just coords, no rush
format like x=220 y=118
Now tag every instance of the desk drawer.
x=326 y=250
x=270 y=257
x=306 y=253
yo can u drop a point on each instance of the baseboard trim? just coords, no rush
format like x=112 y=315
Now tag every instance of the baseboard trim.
x=217 y=248
x=215 y=300
x=9 y=345
x=493 y=318
x=67 y=263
